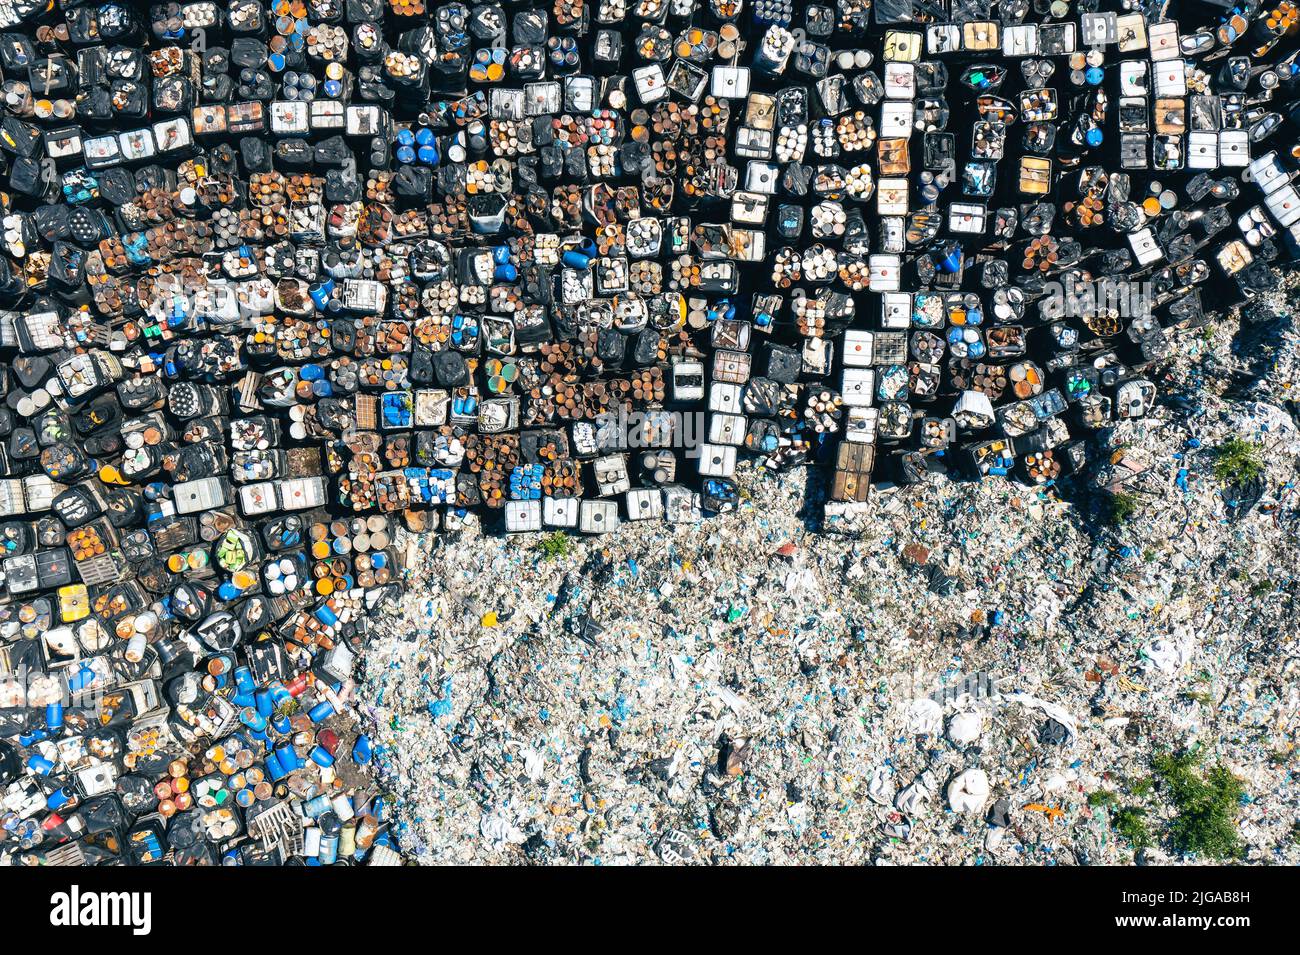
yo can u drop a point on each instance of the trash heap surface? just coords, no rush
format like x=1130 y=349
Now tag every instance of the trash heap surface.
x=285 y=282
x=968 y=674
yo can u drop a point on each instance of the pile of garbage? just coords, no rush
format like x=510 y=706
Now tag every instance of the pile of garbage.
x=974 y=673
x=287 y=281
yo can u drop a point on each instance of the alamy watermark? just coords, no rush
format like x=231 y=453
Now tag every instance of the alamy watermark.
x=1073 y=298
x=27 y=687
x=651 y=430
x=81 y=908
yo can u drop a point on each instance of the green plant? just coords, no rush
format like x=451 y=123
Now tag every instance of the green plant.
x=555 y=546
x=1238 y=460
x=1207 y=804
x=1120 y=507
x=1130 y=823
x=1141 y=787
x=1102 y=797
x=1261 y=587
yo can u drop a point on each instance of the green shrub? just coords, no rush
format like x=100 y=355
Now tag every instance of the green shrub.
x=1130 y=823
x=1120 y=507
x=1238 y=460
x=1261 y=588
x=1141 y=787
x=1207 y=804
x=554 y=546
